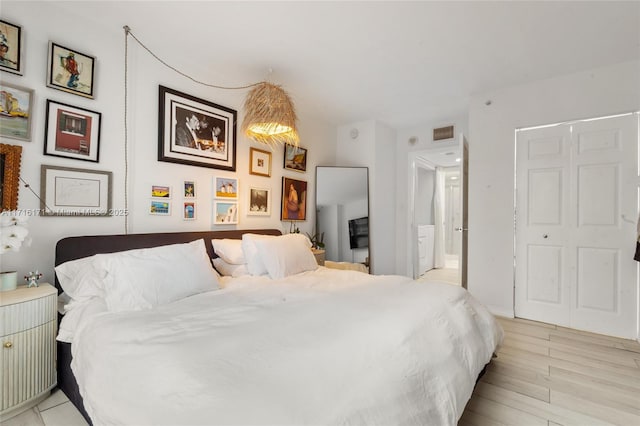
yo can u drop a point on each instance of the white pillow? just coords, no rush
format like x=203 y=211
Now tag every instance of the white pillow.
x=230 y=250
x=255 y=266
x=80 y=280
x=144 y=278
x=286 y=255
x=229 y=269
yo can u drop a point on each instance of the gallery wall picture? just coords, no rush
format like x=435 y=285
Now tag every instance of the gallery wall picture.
x=225 y=212
x=225 y=187
x=295 y=158
x=67 y=191
x=189 y=189
x=259 y=202
x=16 y=110
x=71 y=71
x=294 y=200
x=189 y=210
x=11 y=47
x=161 y=191
x=72 y=132
x=259 y=162
x=159 y=207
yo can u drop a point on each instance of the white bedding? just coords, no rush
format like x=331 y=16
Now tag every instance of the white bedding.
x=326 y=347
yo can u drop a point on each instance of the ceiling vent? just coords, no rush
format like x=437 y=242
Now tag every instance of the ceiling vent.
x=442 y=133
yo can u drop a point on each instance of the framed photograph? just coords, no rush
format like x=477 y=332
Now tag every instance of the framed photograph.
x=17 y=109
x=196 y=132
x=10 y=47
x=260 y=162
x=159 y=207
x=189 y=189
x=259 y=202
x=67 y=191
x=295 y=158
x=72 y=132
x=189 y=210
x=161 y=191
x=71 y=71
x=294 y=200
x=225 y=212
x=10 y=156
x=226 y=187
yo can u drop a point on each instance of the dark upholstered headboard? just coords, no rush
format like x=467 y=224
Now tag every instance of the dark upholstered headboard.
x=72 y=248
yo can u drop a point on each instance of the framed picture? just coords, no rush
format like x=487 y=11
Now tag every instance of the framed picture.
x=259 y=202
x=71 y=71
x=189 y=210
x=260 y=162
x=10 y=156
x=196 y=132
x=72 y=132
x=17 y=109
x=161 y=191
x=294 y=200
x=225 y=212
x=10 y=47
x=159 y=207
x=295 y=158
x=66 y=191
x=225 y=187
x=189 y=189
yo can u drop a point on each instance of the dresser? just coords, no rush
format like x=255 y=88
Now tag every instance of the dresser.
x=28 y=353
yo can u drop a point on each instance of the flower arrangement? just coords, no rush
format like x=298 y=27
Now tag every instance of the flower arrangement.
x=13 y=231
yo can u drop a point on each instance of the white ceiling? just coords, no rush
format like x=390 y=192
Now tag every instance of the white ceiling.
x=403 y=63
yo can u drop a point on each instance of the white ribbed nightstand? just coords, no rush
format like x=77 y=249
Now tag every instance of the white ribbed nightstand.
x=28 y=352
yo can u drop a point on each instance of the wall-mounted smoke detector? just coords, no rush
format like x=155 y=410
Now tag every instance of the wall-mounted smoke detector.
x=442 y=133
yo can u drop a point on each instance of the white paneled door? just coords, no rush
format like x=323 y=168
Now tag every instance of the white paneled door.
x=576 y=212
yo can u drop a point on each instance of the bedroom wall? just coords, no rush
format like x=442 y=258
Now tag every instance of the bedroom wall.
x=591 y=93
x=56 y=21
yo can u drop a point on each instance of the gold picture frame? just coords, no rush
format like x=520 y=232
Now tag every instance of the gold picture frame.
x=259 y=162
x=10 y=156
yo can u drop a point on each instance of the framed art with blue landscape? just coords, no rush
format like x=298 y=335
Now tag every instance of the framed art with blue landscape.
x=15 y=112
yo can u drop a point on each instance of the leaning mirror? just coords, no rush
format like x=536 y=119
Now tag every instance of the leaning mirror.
x=342 y=214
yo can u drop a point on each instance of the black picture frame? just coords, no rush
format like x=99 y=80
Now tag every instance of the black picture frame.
x=71 y=71
x=11 y=40
x=209 y=143
x=72 y=132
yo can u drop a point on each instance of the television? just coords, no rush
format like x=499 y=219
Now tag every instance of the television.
x=359 y=233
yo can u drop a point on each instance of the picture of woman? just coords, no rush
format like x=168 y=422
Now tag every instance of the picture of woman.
x=294 y=194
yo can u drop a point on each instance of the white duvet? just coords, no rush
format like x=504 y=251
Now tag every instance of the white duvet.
x=326 y=347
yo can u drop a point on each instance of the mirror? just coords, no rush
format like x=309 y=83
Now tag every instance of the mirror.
x=342 y=213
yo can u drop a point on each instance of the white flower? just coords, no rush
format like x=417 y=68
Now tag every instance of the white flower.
x=13 y=231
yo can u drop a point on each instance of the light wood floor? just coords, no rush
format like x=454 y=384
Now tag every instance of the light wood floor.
x=548 y=375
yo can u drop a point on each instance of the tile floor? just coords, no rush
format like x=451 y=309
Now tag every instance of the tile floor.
x=53 y=411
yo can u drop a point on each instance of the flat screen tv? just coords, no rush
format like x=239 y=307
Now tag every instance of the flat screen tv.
x=359 y=233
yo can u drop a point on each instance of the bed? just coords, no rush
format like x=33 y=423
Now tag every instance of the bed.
x=317 y=346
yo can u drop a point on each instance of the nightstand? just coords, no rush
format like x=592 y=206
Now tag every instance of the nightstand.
x=28 y=352
x=319 y=254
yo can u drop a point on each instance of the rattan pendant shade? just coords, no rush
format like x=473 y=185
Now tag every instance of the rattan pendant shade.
x=270 y=116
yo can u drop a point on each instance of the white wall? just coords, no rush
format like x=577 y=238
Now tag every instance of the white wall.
x=55 y=21
x=592 y=93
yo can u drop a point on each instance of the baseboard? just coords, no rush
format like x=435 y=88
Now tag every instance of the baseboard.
x=501 y=311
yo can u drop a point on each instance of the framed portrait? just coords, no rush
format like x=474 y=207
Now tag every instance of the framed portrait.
x=259 y=202
x=225 y=187
x=159 y=207
x=225 y=212
x=10 y=156
x=189 y=210
x=72 y=132
x=260 y=162
x=295 y=158
x=10 y=47
x=71 y=71
x=17 y=109
x=189 y=189
x=294 y=200
x=196 y=132
x=161 y=191
x=67 y=191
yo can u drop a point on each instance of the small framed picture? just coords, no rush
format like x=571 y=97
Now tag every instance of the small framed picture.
x=72 y=132
x=189 y=189
x=295 y=158
x=161 y=191
x=17 y=109
x=259 y=202
x=225 y=212
x=226 y=187
x=71 y=71
x=10 y=47
x=260 y=162
x=294 y=200
x=160 y=208
x=69 y=191
x=189 y=210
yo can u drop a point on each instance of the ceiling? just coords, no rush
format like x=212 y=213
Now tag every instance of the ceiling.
x=402 y=63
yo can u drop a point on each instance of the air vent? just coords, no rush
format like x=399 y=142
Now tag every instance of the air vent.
x=442 y=133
